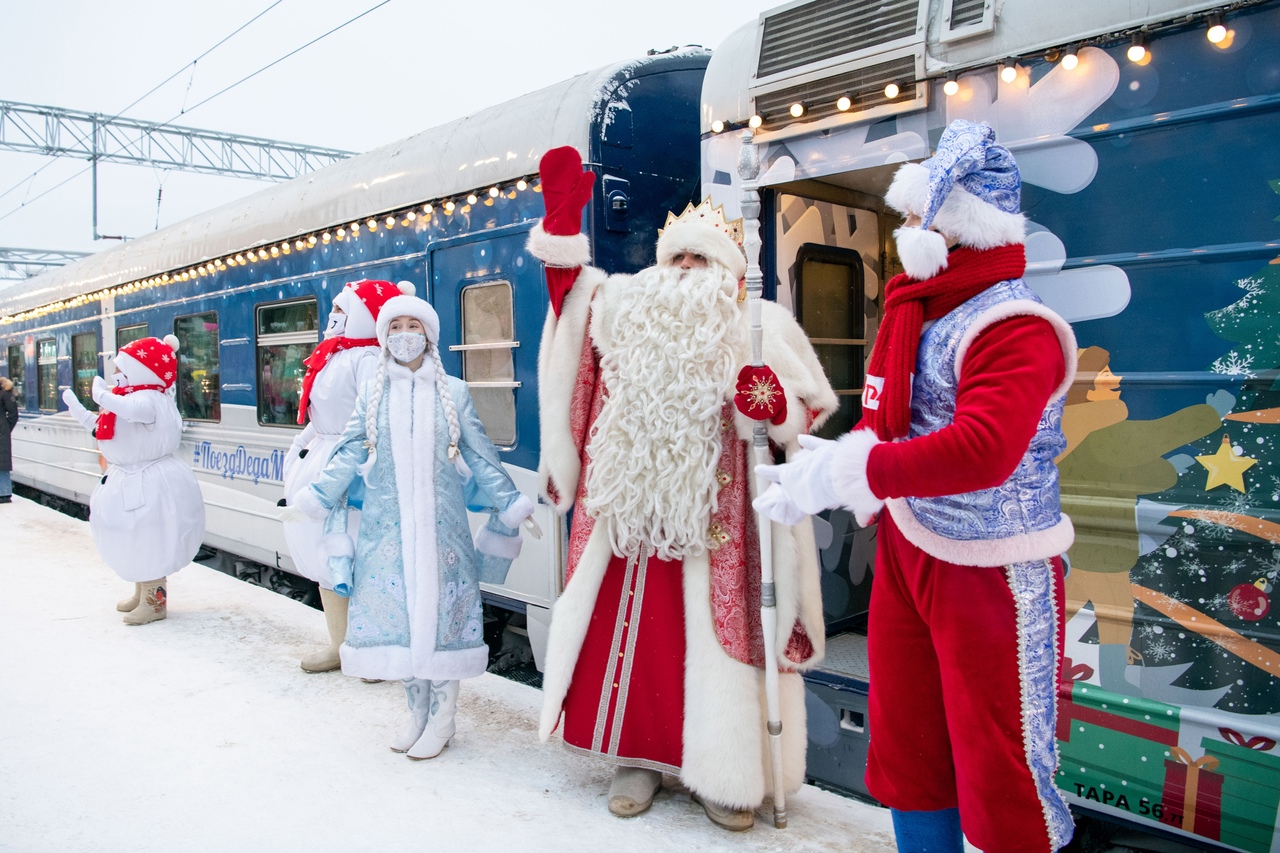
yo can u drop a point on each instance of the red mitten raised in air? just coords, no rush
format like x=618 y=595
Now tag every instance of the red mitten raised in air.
x=557 y=240
x=760 y=396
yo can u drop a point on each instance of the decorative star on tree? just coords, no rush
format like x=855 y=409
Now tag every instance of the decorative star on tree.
x=1226 y=467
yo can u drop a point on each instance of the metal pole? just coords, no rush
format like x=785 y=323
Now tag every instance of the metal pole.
x=748 y=170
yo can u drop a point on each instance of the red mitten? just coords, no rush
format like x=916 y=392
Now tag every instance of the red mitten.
x=760 y=396
x=566 y=189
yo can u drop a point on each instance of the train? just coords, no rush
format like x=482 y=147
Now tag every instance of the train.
x=1146 y=136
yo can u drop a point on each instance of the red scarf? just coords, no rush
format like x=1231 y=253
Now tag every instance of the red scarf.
x=318 y=359
x=908 y=304
x=106 y=427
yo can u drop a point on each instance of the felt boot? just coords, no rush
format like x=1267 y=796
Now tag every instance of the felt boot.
x=631 y=792
x=928 y=832
x=127 y=604
x=335 y=618
x=152 y=603
x=440 y=727
x=418 y=691
x=734 y=820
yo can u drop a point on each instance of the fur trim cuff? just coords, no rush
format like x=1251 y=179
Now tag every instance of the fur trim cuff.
x=559 y=250
x=307 y=502
x=849 y=474
x=1023 y=548
x=497 y=545
x=923 y=253
x=519 y=510
x=701 y=239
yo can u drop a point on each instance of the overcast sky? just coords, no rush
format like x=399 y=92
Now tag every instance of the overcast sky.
x=406 y=66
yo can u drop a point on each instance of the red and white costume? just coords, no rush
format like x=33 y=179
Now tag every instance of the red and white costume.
x=656 y=652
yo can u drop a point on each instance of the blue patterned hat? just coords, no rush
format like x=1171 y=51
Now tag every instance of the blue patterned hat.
x=969 y=191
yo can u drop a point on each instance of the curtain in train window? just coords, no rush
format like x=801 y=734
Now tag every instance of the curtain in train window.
x=129 y=334
x=84 y=366
x=488 y=363
x=198 y=388
x=47 y=374
x=17 y=373
x=287 y=332
x=829 y=306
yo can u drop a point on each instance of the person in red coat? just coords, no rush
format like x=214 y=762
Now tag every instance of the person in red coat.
x=961 y=425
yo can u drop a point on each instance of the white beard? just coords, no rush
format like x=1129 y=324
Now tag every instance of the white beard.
x=668 y=340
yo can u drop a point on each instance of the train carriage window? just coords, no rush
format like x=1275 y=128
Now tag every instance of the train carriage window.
x=17 y=373
x=287 y=334
x=198 y=388
x=129 y=334
x=47 y=374
x=488 y=357
x=829 y=306
x=84 y=366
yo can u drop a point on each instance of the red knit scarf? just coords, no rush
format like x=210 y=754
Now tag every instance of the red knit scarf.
x=908 y=304
x=105 y=430
x=318 y=359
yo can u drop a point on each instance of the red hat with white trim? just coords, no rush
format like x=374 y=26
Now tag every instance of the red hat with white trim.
x=363 y=300
x=149 y=361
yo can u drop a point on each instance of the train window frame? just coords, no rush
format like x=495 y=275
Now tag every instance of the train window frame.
x=276 y=339
x=183 y=351
x=122 y=342
x=77 y=341
x=50 y=362
x=852 y=260
x=19 y=381
x=510 y=344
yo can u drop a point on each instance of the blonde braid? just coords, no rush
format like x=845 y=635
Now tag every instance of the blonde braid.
x=446 y=398
x=371 y=418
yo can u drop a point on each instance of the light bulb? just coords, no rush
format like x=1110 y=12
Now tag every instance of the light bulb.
x=1138 y=48
x=717 y=126
x=275 y=251
x=342 y=232
x=950 y=87
x=311 y=240
x=796 y=110
x=1217 y=33
x=844 y=103
x=449 y=206
x=521 y=185
x=1069 y=59
x=1008 y=71
x=754 y=122
x=471 y=198
x=892 y=91
x=493 y=192
x=411 y=216
x=426 y=208
x=391 y=221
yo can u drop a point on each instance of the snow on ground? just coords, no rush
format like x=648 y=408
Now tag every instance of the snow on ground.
x=200 y=733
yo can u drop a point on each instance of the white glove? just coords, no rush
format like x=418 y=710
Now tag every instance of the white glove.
x=776 y=506
x=306 y=502
x=98 y=388
x=69 y=397
x=806 y=479
x=292 y=455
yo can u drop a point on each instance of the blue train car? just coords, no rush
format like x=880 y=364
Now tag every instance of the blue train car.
x=244 y=288
x=1147 y=139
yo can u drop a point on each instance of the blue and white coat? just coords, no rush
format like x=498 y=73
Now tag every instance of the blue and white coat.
x=414 y=576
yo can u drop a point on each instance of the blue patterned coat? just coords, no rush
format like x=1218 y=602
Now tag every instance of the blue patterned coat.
x=414 y=581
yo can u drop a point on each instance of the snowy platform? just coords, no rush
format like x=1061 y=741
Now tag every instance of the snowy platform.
x=200 y=733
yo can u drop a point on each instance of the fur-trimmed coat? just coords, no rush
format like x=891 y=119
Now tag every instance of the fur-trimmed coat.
x=725 y=746
x=415 y=578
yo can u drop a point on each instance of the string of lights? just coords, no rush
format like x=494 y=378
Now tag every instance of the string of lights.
x=1214 y=22
x=417 y=215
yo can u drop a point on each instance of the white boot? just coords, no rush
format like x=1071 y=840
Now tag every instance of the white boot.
x=127 y=604
x=418 y=691
x=444 y=707
x=632 y=789
x=335 y=618
x=152 y=604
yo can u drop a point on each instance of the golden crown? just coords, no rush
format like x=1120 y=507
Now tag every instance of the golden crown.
x=713 y=216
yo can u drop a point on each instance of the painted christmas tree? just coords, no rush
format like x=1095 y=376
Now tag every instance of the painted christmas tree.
x=1205 y=593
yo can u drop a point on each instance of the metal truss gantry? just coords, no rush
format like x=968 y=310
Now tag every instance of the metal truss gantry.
x=17 y=264
x=57 y=132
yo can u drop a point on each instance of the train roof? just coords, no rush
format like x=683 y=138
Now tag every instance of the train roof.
x=497 y=144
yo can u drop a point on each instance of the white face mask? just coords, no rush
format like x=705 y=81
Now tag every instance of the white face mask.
x=406 y=346
x=120 y=379
x=337 y=325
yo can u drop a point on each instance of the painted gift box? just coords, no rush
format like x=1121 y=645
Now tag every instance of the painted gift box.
x=1250 y=770
x=1112 y=748
x=1192 y=798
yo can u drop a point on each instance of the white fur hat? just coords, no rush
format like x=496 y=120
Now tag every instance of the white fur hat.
x=969 y=190
x=408 y=306
x=701 y=238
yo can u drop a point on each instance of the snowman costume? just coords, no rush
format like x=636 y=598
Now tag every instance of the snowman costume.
x=146 y=514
